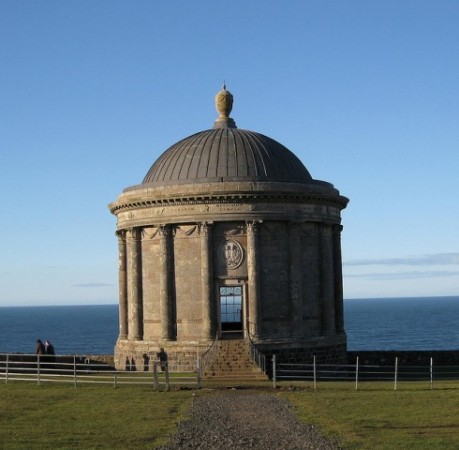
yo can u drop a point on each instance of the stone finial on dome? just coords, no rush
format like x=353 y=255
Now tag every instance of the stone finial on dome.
x=224 y=105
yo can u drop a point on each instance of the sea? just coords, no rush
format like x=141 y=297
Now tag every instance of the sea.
x=422 y=323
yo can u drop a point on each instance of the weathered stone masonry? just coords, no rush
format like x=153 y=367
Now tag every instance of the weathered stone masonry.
x=223 y=216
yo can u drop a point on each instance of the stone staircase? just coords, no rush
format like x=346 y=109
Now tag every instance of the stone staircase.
x=231 y=361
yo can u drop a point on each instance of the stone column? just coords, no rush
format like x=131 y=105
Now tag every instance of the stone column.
x=122 y=285
x=253 y=278
x=245 y=309
x=135 y=315
x=327 y=281
x=338 y=273
x=296 y=286
x=165 y=290
x=311 y=283
x=208 y=305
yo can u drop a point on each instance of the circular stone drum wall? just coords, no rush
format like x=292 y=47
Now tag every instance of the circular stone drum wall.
x=229 y=235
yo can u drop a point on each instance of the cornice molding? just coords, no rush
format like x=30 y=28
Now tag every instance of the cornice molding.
x=252 y=198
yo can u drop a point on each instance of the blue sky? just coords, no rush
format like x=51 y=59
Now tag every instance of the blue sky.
x=92 y=92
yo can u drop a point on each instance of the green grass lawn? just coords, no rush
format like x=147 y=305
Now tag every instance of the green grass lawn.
x=377 y=417
x=53 y=416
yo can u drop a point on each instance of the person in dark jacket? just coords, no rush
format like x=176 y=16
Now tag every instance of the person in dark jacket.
x=40 y=348
x=162 y=356
x=49 y=348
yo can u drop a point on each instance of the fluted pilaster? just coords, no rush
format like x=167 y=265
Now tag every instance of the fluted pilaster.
x=338 y=274
x=165 y=291
x=296 y=286
x=253 y=278
x=208 y=305
x=122 y=284
x=327 y=281
x=134 y=275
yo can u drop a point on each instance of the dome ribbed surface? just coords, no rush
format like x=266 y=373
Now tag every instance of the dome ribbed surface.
x=227 y=154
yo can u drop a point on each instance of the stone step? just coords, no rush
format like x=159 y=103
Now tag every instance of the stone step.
x=232 y=362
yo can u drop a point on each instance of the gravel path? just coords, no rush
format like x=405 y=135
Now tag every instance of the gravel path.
x=236 y=420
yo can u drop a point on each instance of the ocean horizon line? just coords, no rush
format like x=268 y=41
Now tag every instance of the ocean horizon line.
x=378 y=323
x=407 y=297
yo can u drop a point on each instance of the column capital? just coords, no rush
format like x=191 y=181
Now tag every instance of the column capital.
x=337 y=229
x=165 y=230
x=326 y=229
x=134 y=233
x=253 y=225
x=205 y=226
x=121 y=234
x=310 y=228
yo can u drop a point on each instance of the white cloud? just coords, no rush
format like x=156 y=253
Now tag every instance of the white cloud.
x=423 y=260
x=92 y=285
x=404 y=275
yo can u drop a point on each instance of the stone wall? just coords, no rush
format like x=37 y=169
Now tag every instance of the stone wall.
x=330 y=354
x=186 y=282
x=138 y=355
x=327 y=350
x=274 y=280
x=105 y=359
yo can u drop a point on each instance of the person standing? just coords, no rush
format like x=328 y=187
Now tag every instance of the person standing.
x=162 y=356
x=50 y=352
x=40 y=348
x=49 y=348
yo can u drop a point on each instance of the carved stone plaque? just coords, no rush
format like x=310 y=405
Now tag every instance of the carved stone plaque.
x=233 y=254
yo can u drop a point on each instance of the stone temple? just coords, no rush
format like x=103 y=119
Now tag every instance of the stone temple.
x=229 y=236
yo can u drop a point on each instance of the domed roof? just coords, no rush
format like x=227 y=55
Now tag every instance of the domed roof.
x=226 y=153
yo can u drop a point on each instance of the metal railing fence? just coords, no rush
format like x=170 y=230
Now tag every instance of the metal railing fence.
x=357 y=373
x=256 y=356
x=80 y=370
x=206 y=358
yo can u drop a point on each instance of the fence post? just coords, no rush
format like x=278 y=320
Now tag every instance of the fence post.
x=7 y=368
x=74 y=372
x=155 y=375
x=315 y=372
x=396 y=373
x=114 y=380
x=431 y=373
x=198 y=367
x=357 y=373
x=167 y=376
x=274 y=371
x=38 y=369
